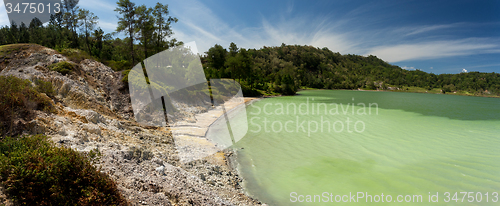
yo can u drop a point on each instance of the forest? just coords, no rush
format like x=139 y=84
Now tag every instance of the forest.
x=266 y=71
x=287 y=68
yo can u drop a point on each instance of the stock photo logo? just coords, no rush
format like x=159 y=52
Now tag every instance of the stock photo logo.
x=160 y=84
x=24 y=11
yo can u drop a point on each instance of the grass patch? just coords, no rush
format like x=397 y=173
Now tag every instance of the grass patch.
x=19 y=99
x=62 y=67
x=6 y=50
x=76 y=55
x=35 y=172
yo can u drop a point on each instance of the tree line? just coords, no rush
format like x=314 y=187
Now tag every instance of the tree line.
x=147 y=31
x=285 y=69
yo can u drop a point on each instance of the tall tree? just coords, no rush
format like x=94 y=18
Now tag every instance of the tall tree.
x=24 y=35
x=14 y=33
x=98 y=36
x=70 y=15
x=88 y=21
x=216 y=58
x=145 y=27
x=35 y=30
x=162 y=26
x=127 y=23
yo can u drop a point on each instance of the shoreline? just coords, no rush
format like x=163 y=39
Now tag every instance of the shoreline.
x=193 y=135
x=456 y=93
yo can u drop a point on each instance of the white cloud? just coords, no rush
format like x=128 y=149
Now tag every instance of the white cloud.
x=4 y=19
x=432 y=68
x=463 y=71
x=407 y=68
x=108 y=26
x=433 y=49
x=97 y=5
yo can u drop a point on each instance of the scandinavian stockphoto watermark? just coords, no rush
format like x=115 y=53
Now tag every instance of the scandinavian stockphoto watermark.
x=166 y=85
x=311 y=117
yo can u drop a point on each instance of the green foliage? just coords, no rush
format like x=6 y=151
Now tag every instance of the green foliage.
x=6 y=50
x=76 y=55
x=44 y=87
x=125 y=76
x=286 y=68
x=35 y=172
x=118 y=65
x=18 y=99
x=62 y=67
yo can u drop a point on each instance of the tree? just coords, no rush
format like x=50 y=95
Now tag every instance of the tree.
x=162 y=26
x=98 y=36
x=70 y=15
x=145 y=27
x=35 y=31
x=216 y=57
x=233 y=49
x=127 y=22
x=88 y=21
x=24 y=36
x=14 y=33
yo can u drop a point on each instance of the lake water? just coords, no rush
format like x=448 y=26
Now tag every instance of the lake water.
x=407 y=144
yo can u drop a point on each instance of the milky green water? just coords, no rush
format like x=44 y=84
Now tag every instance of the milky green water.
x=415 y=145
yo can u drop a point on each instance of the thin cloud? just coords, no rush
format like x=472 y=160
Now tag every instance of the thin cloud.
x=428 y=28
x=97 y=5
x=108 y=26
x=433 y=49
x=207 y=29
x=486 y=65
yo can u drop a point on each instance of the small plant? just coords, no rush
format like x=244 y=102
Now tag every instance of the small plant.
x=125 y=76
x=35 y=172
x=18 y=99
x=62 y=67
x=45 y=87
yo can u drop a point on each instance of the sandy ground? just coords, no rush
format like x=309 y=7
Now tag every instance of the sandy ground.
x=190 y=136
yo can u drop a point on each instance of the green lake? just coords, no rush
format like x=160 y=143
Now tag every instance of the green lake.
x=375 y=143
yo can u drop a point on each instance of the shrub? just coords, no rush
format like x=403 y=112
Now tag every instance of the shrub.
x=45 y=87
x=125 y=76
x=18 y=99
x=35 y=172
x=76 y=55
x=118 y=65
x=62 y=67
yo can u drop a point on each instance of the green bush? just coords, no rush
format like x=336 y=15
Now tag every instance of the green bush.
x=35 y=172
x=18 y=99
x=76 y=55
x=62 y=67
x=45 y=87
x=118 y=65
x=125 y=76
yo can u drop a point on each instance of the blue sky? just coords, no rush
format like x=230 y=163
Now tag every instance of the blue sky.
x=434 y=36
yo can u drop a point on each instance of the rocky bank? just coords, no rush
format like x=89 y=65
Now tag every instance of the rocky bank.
x=93 y=111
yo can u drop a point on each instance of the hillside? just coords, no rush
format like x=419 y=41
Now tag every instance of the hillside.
x=287 y=68
x=88 y=108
